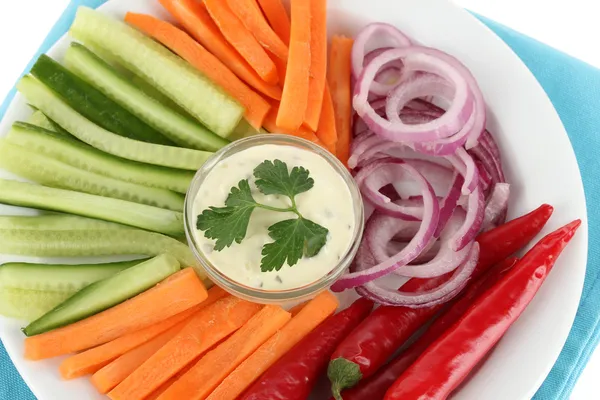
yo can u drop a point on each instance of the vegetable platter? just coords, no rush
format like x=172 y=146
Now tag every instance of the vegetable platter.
x=470 y=187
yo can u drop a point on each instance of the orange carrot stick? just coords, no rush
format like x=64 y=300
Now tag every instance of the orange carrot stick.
x=295 y=88
x=183 y=289
x=242 y=40
x=192 y=15
x=114 y=373
x=277 y=17
x=203 y=331
x=156 y=394
x=327 y=132
x=206 y=375
x=90 y=361
x=339 y=77
x=318 y=62
x=187 y=48
x=270 y=124
x=249 y=13
x=297 y=308
x=307 y=319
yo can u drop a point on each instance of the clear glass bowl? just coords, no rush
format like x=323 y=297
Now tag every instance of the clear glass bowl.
x=288 y=296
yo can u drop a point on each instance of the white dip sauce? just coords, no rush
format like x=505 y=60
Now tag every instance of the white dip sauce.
x=328 y=203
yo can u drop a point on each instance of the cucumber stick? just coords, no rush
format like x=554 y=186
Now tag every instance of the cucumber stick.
x=56 y=109
x=92 y=104
x=83 y=243
x=83 y=156
x=88 y=205
x=39 y=119
x=105 y=293
x=29 y=305
x=137 y=99
x=50 y=172
x=194 y=92
x=55 y=222
x=57 y=277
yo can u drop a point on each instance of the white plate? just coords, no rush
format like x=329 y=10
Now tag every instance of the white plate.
x=540 y=164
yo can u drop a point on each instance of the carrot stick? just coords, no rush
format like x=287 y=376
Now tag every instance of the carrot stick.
x=295 y=88
x=183 y=289
x=204 y=330
x=339 y=79
x=187 y=48
x=249 y=13
x=277 y=17
x=270 y=124
x=206 y=375
x=242 y=40
x=156 y=394
x=327 y=132
x=315 y=312
x=114 y=373
x=192 y=15
x=90 y=361
x=297 y=308
x=318 y=62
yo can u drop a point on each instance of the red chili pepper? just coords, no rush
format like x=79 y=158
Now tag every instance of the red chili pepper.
x=376 y=339
x=445 y=364
x=376 y=386
x=295 y=374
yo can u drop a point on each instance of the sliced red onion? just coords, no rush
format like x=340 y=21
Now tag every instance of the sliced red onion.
x=424 y=59
x=382 y=172
x=465 y=165
x=496 y=206
x=428 y=298
x=472 y=223
x=375 y=230
x=449 y=203
x=371 y=31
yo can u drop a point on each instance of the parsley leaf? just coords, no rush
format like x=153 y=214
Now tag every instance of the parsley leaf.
x=272 y=177
x=230 y=223
x=293 y=239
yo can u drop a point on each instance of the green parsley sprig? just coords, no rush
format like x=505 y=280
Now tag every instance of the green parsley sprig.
x=293 y=238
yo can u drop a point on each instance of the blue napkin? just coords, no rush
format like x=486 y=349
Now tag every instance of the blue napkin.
x=574 y=88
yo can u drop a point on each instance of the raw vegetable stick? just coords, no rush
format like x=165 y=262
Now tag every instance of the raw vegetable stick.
x=183 y=289
x=242 y=40
x=294 y=99
x=318 y=62
x=278 y=18
x=194 y=53
x=206 y=375
x=196 y=20
x=251 y=16
x=339 y=77
x=117 y=370
x=202 y=332
x=92 y=360
x=106 y=293
x=156 y=394
x=270 y=124
x=115 y=210
x=315 y=312
x=327 y=132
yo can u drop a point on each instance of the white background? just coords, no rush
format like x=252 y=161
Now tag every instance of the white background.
x=569 y=25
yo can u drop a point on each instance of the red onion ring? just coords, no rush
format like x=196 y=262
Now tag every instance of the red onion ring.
x=472 y=223
x=496 y=206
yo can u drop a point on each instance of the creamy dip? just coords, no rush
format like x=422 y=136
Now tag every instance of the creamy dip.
x=329 y=204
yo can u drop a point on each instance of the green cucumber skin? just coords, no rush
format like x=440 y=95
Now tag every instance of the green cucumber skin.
x=83 y=156
x=29 y=305
x=179 y=81
x=142 y=99
x=105 y=293
x=92 y=242
x=55 y=222
x=56 y=109
x=57 y=277
x=50 y=172
x=92 y=104
x=88 y=205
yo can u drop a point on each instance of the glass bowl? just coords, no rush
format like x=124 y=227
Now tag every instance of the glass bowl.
x=288 y=296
